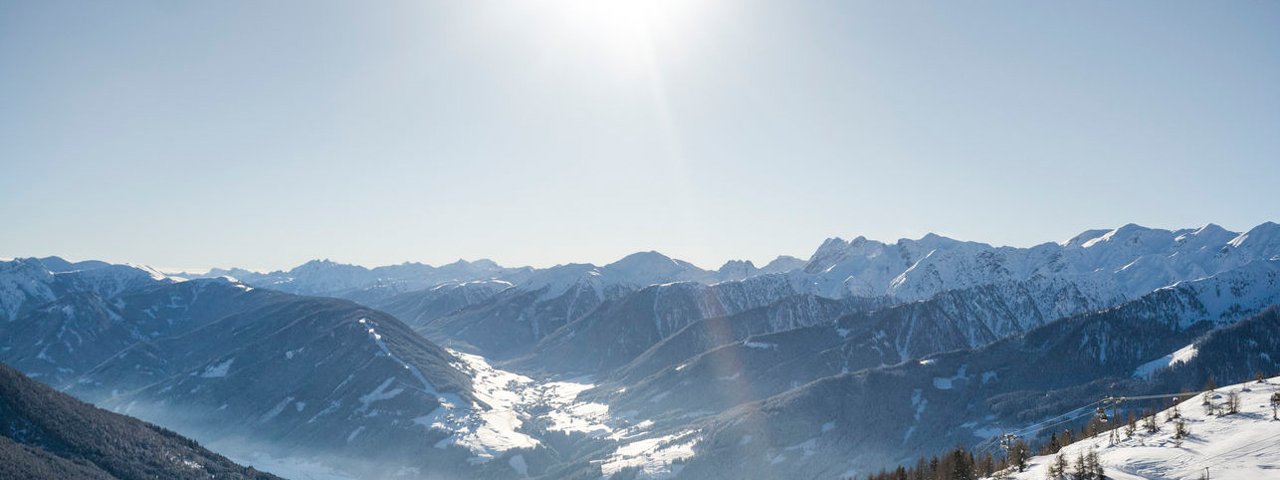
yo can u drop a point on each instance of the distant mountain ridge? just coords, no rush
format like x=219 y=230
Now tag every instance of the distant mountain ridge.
x=1130 y=259
x=329 y=278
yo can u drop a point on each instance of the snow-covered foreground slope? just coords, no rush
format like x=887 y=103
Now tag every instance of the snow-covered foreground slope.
x=1240 y=446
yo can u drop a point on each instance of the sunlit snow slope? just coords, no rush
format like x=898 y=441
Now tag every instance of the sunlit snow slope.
x=1240 y=446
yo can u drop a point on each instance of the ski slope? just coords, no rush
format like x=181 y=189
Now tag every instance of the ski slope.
x=1240 y=446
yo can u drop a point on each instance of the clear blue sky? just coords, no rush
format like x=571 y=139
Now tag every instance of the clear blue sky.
x=263 y=134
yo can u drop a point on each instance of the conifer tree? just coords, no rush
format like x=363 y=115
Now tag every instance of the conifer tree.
x=961 y=467
x=1057 y=468
x=1053 y=446
x=1180 y=430
x=986 y=464
x=1094 y=466
x=1081 y=470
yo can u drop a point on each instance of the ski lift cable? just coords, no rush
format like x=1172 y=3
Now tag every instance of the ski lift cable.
x=992 y=444
x=1075 y=414
x=1061 y=422
x=1057 y=419
x=1025 y=431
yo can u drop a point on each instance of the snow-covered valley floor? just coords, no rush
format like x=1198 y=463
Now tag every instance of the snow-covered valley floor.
x=515 y=399
x=513 y=411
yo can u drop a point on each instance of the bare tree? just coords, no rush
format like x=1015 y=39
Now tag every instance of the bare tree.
x=1233 y=402
x=1209 y=407
x=1149 y=423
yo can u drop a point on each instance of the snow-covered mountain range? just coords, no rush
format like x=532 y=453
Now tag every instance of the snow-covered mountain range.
x=649 y=366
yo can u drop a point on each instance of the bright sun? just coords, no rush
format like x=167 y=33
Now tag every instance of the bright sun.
x=627 y=29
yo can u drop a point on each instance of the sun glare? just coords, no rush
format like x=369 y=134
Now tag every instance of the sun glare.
x=627 y=30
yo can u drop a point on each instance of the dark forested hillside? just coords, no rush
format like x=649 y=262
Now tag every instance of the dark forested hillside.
x=45 y=434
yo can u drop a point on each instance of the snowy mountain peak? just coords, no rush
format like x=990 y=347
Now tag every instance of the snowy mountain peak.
x=935 y=238
x=150 y=271
x=25 y=265
x=1129 y=233
x=484 y=263
x=1210 y=234
x=1211 y=229
x=650 y=257
x=831 y=248
x=835 y=251
x=1265 y=236
x=783 y=264
x=315 y=265
x=649 y=264
x=228 y=272
x=1084 y=236
x=736 y=267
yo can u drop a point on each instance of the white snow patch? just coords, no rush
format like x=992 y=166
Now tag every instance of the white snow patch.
x=518 y=464
x=632 y=431
x=219 y=370
x=379 y=394
x=989 y=376
x=807 y=447
x=654 y=457
x=276 y=410
x=355 y=433
x=920 y=403
x=947 y=383
x=1181 y=355
x=488 y=432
